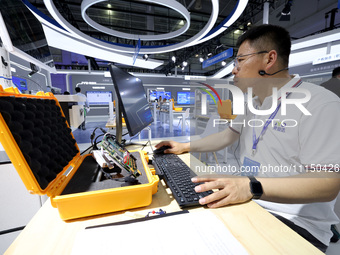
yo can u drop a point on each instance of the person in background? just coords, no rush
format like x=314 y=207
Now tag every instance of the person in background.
x=291 y=171
x=159 y=102
x=85 y=106
x=333 y=84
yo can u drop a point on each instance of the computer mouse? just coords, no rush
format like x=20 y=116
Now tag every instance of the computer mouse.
x=161 y=149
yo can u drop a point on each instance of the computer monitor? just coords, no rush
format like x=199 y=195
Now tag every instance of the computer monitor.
x=20 y=83
x=99 y=97
x=132 y=102
x=185 y=97
x=154 y=94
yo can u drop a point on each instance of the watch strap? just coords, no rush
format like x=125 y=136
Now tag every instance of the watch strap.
x=255 y=187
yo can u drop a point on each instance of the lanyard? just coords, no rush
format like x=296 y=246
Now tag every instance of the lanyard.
x=269 y=120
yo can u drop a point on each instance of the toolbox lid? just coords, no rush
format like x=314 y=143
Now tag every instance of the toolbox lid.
x=36 y=137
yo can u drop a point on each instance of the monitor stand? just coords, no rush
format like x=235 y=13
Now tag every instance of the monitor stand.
x=119 y=126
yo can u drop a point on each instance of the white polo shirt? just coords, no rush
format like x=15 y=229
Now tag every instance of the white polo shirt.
x=86 y=103
x=292 y=143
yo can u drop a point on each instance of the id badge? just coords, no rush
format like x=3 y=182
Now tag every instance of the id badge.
x=250 y=167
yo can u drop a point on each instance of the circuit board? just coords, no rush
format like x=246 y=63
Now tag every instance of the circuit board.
x=121 y=156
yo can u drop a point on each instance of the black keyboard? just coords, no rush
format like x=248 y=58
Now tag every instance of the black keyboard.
x=178 y=177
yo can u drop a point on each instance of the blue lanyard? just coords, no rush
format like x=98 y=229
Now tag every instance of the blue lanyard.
x=256 y=140
x=272 y=116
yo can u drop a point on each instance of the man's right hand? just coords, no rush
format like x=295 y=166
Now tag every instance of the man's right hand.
x=176 y=148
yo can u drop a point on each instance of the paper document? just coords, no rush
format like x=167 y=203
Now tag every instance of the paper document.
x=190 y=233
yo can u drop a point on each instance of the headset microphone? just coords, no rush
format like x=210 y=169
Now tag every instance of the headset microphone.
x=262 y=72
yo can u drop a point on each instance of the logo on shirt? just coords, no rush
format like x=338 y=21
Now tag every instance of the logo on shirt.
x=280 y=126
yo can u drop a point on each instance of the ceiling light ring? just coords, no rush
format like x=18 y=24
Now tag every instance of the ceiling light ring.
x=128 y=48
x=172 y=4
x=228 y=21
x=204 y=36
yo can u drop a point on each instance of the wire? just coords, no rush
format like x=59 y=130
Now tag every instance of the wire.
x=125 y=134
x=36 y=83
x=88 y=148
x=91 y=146
x=148 y=142
x=134 y=137
x=106 y=174
x=94 y=140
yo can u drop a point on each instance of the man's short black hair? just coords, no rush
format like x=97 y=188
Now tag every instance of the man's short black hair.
x=336 y=72
x=77 y=89
x=269 y=37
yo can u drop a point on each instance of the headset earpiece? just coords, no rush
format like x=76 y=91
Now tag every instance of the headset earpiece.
x=262 y=72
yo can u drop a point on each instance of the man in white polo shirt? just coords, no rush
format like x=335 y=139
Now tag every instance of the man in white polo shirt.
x=298 y=144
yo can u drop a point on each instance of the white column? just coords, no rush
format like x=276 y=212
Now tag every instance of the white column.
x=171 y=117
x=89 y=65
x=266 y=13
x=204 y=102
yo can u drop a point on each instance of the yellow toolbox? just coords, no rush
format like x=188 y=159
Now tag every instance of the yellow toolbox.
x=37 y=139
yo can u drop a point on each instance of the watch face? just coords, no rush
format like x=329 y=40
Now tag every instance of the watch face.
x=256 y=188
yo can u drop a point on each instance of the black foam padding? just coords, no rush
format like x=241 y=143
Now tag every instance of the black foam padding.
x=19 y=106
x=45 y=148
x=39 y=115
x=17 y=138
x=37 y=142
x=44 y=171
x=35 y=165
x=27 y=124
x=4 y=104
x=29 y=115
x=26 y=146
x=84 y=179
x=28 y=159
x=26 y=135
x=16 y=126
x=7 y=117
x=41 y=133
x=17 y=116
x=50 y=177
x=31 y=107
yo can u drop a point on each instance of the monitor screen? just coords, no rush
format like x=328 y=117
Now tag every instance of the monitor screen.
x=185 y=97
x=153 y=95
x=132 y=100
x=99 y=97
x=20 y=83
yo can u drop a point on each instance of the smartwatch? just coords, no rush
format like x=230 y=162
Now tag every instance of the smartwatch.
x=255 y=187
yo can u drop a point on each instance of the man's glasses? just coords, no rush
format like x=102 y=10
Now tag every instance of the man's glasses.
x=241 y=59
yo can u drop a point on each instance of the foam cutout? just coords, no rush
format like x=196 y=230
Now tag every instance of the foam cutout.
x=41 y=132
